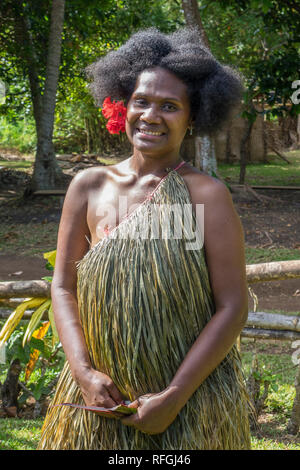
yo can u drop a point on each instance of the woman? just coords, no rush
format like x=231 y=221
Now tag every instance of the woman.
x=152 y=318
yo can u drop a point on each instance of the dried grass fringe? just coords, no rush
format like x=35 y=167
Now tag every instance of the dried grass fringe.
x=142 y=305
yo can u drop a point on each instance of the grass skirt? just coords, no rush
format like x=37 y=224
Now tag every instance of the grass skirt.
x=143 y=302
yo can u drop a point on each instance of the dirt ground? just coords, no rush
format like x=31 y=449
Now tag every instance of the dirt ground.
x=270 y=218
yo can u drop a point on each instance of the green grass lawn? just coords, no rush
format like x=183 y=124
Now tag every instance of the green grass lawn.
x=19 y=434
x=276 y=172
x=274 y=357
x=266 y=255
x=16 y=165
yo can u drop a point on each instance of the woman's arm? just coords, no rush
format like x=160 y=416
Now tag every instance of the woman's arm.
x=97 y=388
x=224 y=248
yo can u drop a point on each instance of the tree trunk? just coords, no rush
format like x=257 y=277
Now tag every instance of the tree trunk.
x=294 y=423
x=265 y=141
x=88 y=137
x=280 y=155
x=193 y=18
x=228 y=146
x=10 y=389
x=208 y=157
x=47 y=173
x=25 y=42
x=254 y=386
x=209 y=163
x=244 y=151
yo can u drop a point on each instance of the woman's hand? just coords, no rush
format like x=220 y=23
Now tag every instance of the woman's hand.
x=99 y=390
x=155 y=412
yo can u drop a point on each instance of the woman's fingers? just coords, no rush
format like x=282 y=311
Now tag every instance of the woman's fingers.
x=108 y=402
x=100 y=390
x=135 y=404
x=130 y=420
x=115 y=394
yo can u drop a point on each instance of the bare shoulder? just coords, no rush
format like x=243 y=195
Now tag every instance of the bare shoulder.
x=96 y=175
x=89 y=179
x=204 y=188
x=84 y=179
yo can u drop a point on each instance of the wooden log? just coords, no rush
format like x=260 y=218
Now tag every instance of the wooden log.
x=24 y=289
x=273 y=321
x=274 y=271
x=50 y=192
x=262 y=272
x=260 y=333
x=65 y=156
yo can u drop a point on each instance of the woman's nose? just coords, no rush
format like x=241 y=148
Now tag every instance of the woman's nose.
x=151 y=115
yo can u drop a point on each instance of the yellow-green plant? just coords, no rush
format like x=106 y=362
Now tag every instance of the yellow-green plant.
x=42 y=305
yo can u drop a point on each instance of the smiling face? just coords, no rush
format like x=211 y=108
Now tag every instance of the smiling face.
x=158 y=114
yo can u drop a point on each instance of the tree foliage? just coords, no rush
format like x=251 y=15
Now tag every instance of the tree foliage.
x=261 y=38
x=91 y=29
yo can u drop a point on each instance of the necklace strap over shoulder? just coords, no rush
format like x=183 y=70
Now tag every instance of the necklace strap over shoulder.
x=180 y=165
x=174 y=169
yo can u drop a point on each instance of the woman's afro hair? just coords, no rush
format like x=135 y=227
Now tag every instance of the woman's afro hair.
x=214 y=89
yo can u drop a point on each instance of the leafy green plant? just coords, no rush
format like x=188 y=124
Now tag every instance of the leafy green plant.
x=36 y=345
x=20 y=135
x=263 y=376
x=42 y=304
x=259 y=383
x=15 y=349
x=39 y=371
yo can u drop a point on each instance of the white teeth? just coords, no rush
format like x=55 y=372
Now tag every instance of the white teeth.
x=150 y=132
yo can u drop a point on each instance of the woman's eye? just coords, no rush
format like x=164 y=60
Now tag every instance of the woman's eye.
x=140 y=102
x=169 y=107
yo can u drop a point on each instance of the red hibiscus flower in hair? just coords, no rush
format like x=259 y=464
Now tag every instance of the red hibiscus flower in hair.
x=115 y=112
x=115 y=127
